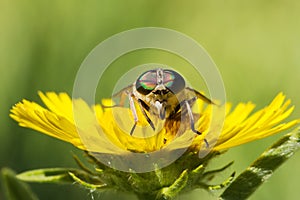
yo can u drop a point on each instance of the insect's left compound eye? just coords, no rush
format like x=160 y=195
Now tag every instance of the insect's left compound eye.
x=173 y=81
x=146 y=83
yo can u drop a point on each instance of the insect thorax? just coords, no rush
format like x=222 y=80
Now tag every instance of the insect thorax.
x=170 y=100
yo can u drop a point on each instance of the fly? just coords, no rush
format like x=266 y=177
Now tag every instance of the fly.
x=162 y=93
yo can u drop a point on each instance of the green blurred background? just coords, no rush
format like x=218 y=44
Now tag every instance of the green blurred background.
x=255 y=45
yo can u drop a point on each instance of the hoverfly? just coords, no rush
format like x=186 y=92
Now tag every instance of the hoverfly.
x=162 y=93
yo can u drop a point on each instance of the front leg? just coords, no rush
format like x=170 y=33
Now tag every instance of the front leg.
x=133 y=110
x=144 y=106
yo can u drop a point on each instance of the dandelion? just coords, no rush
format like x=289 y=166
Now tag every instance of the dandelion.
x=96 y=128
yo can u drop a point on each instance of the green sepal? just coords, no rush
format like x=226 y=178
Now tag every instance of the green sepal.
x=227 y=182
x=86 y=184
x=59 y=175
x=174 y=189
x=263 y=168
x=15 y=189
x=47 y=175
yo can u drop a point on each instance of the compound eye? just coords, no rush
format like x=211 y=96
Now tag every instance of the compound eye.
x=146 y=83
x=173 y=81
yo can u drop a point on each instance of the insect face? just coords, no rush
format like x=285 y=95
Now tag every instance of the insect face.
x=158 y=90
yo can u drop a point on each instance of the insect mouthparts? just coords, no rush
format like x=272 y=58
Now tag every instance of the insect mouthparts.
x=161 y=109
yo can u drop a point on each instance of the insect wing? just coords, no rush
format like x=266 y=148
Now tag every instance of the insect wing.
x=195 y=93
x=122 y=95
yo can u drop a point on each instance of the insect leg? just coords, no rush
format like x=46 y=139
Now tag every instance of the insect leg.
x=178 y=111
x=191 y=117
x=145 y=106
x=192 y=121
x=134 y=113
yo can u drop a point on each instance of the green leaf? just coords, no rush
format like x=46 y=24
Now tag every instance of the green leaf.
x=263 y=168
x=15 y=189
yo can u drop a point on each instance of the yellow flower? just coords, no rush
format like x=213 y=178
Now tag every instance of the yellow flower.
x=99 y=130
x=105 y=130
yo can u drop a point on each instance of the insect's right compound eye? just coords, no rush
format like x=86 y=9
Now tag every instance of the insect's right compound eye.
x=146 y=83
